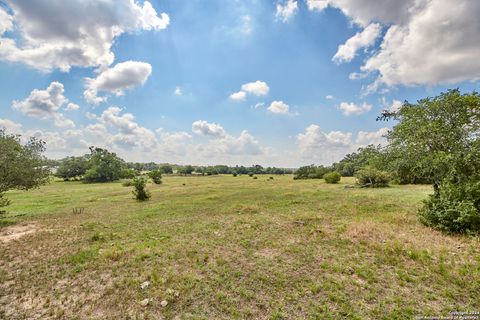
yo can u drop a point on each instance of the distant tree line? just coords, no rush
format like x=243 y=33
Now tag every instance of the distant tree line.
x=103 y=166
x=206 y=170
x=238 y=170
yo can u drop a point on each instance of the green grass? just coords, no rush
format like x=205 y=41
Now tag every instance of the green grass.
x=226 y=247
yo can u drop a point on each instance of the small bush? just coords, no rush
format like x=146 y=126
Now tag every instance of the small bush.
x=255 y=177
x=332 y=177
x=140 y=193
x=127 y=183
x=156 y=176
x=128 y=174
x=250 y=174
x=234 y=174
x=372 y=177
x=456 y=209
x=3 y=202
x=310 y=172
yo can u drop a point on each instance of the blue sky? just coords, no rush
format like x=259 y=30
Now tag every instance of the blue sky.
x=164 y=83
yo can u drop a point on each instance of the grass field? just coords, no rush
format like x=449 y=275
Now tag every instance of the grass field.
x=224 y=247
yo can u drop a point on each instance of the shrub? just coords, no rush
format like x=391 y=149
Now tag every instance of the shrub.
x=128 y=174
x=3 y=202
x=234 y=174
x=127 y=183
x=156 y=176
x=372 y=177
x=455 y=209
x=250 y=174
x=310 y=172
x=255 y=177
x=140 y=193
x=332 y=177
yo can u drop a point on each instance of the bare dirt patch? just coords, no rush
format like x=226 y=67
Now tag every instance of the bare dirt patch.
x=267 y=253
x=367 y=231
x=16 y=232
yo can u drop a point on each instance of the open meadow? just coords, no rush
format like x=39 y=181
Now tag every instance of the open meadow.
x=224 y=247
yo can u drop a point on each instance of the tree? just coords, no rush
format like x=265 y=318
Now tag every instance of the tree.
x=140 y=193
x=185 y=170
x=128 y=173
x=438 y=140
x=256 y=169
x=156 y=176
x=438 y=137
x=220 y=169
x=166 y=168
x=241 y=170
x=22 y=166
x=210 y=171
x=367 y=156
x=310 y=172
x=150 y=166
x=104 y=166
x=72 y=167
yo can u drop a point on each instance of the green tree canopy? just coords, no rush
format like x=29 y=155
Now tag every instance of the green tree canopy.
x=186 y=170
x=366 y=156
x=311 y=172
x=104 y=166
x=22 y=166
x=166 y=168
x=437 y=138
x=72 y=167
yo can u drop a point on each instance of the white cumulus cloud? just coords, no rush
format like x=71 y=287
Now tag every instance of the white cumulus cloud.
x=178 y=91
x=395 y=106
x=6 y=21
x=45 y=104
x=75 y=33
x=238 y=96
x=427 y=42
x=127 y=132
x=10 y=126
x=257 y=88
x=317 y=4
x=72 y=107
x=354 y=109
x=286 y=10
x=346 y=52
x=205 y=128
x=279 y=107
x=325 y=147
x=314 y=144
x=123 y=76
x=244 y=144
x=365 y=138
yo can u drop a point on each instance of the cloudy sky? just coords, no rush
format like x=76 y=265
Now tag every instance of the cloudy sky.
x=282 y=83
